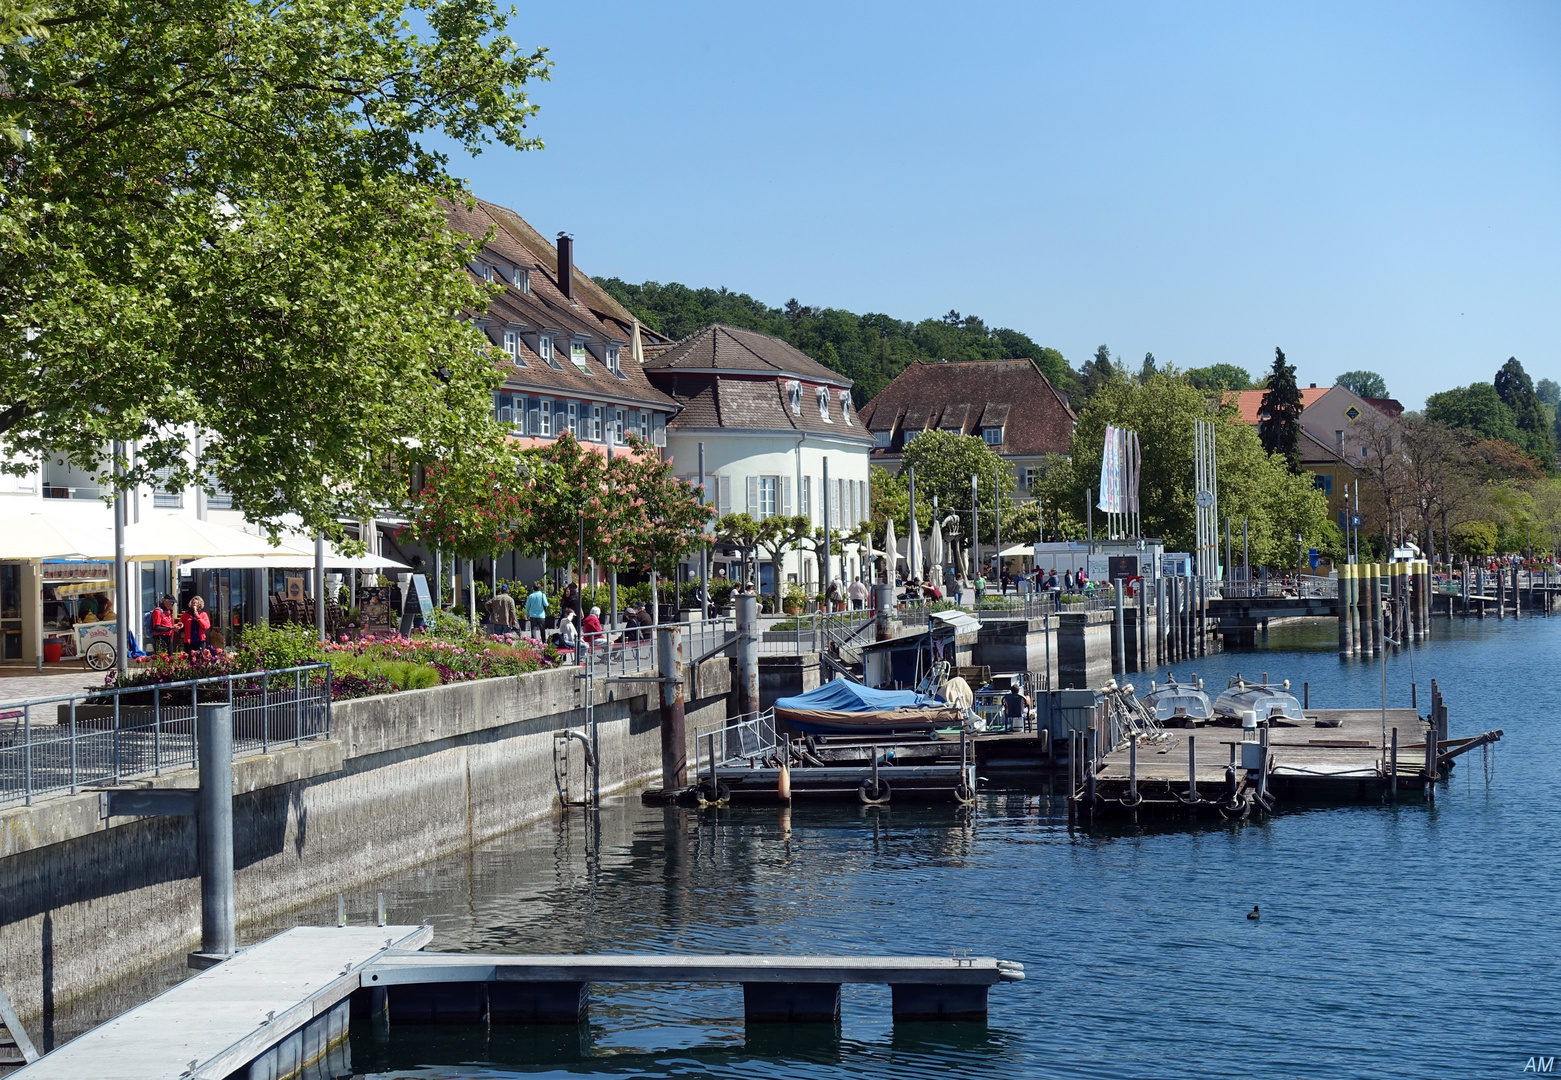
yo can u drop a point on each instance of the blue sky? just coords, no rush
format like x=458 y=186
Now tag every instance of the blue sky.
x=1366 y=185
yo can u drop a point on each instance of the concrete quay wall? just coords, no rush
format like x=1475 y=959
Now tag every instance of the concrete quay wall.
x=404 y=778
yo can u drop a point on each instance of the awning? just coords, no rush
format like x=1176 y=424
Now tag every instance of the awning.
x=334 y=560
x=39 y=536
x=172 y=536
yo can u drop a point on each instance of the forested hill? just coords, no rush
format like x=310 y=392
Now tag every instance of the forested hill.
x=869 y=349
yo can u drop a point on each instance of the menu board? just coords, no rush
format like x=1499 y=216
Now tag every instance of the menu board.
x=374 y=604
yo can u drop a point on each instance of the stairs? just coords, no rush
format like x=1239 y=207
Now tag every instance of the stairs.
x=15 y=1047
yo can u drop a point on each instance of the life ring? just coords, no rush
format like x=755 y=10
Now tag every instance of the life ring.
x=871 y=796
x=722 y=793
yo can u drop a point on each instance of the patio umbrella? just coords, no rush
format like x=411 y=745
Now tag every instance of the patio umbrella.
x=891 y=549
x=38 y=536
x=172 y=536
x=334 y=560
x=913 y=550
x=936 y=549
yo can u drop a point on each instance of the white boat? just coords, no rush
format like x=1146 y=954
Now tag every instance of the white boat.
x=1248 y=704
x=1179 y=704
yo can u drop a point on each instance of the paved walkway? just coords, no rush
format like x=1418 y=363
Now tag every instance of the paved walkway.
x=23 y=684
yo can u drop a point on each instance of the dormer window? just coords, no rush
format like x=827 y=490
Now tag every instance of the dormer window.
x=614 y=363
x=992 y=436
x=794 y=395
x=512 y=346
x=845 y=405
x=823 y=405
x=487 y=272
x=545 y=350
x=521 y=279
x=883 y=438
x=578 y=356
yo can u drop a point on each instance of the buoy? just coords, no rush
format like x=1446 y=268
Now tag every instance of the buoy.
x=1254 y=914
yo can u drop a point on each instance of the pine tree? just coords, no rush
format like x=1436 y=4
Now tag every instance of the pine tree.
x=1516 y=389
x=1280 y=426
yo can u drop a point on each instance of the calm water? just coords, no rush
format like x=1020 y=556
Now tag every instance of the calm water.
x=1396 y=941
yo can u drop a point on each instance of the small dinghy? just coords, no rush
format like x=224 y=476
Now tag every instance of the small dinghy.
x=843 y=707
x=1274 y=706
x=1179 y=704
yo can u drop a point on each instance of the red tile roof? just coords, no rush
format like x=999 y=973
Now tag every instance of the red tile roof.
x=968 y=395
x=1249 y=403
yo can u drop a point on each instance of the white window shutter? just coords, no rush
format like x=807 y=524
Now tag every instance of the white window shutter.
x=723 y=495
x=753 y=496
x=785 y=496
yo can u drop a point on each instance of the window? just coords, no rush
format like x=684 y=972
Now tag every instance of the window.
x=533 y=416
x=545 y=415
x=545 y=350
x=1032 y=477
x=614 y=364
x=794 y=396
x=504 y=409
x=217 y=499
x=644 y=421
x=992 y=436
x=573 y=414
x=883 y=438
x=521 y=279
x=845 y=405
x=163 y=495
x=596 y=423
x=1323 y=483
x=806 y=509
x=823 y=405
x=768 y=496
x=578 y=356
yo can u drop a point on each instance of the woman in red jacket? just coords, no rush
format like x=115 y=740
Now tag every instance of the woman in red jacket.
x=196 y=624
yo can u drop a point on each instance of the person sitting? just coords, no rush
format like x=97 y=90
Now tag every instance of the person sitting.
x=642 y=621
x=591 y=628
x=568 y=636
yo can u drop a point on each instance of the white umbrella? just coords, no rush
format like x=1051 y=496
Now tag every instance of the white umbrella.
x=913 y=550
x=334 y=560
x=891 y=549
x=37 y=536
x=172 y=536
x=937 y=554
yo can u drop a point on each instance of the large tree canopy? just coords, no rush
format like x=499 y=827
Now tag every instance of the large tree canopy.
x=1368 y=384
x=222 y=240
x=1516 y=390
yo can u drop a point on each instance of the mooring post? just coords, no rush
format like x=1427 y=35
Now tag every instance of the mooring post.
x=1414 y=696
x=1517 y=594
x=1501 y=594
x=748 y=655
x=1089 y=775
x=1262 y=769
x=674 y=736
x=1393 y=768
x=1073 y=775
x=1343 y=605
x=1143 y=625
x=1118 y=637
x=214 y=735
x=1306 y=695
x=1192 y=772
x=883 y=602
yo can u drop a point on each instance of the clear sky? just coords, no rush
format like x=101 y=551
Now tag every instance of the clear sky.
x=1366 y=185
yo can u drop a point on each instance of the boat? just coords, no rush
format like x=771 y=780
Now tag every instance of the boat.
x=1179 y=704
x=844 y=707
x=1248 y=704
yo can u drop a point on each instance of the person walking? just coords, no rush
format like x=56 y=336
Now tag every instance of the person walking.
x=501 y=612
x=536 y=611
x=858 y=594
x=163 y=620
x=197 y=624
x=980 y=587
x=833 y=595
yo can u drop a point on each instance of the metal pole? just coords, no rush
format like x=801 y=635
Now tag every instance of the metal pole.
x=704 y=550
x=1246 y=558
x=1118 y=639
x=975 y=531
x=319 y=585
x=674 y=745
x=827 y=504
x=612 y=580
x=997 y=525
x=215 y=751
x=748 y=654
x=912 y=545
x=1226 y=575
x=121 y=568
x=1089 y=515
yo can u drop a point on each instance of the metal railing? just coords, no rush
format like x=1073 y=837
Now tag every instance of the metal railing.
x=632 y=649
x=811 y=633
x=66 y=743
x=1302 y=586
x=738 y=742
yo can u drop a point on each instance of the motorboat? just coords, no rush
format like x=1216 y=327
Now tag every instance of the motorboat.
x=845 y=707
x=1179 y=704
x=1249 y=704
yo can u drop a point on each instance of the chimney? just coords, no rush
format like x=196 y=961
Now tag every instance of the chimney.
x=566 y=266
x=561 y=248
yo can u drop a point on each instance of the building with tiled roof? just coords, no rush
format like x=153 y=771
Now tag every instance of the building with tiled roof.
x=573 y=354
x=779 y=433
x=1009 y=404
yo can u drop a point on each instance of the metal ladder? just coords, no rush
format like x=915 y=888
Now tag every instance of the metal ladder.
x=15 y=1047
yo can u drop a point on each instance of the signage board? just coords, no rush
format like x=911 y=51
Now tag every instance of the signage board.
x=425 y=601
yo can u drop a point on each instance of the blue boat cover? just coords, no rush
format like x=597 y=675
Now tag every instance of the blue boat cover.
x=843 y=695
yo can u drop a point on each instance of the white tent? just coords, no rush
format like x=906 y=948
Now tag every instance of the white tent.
x=39 y=536
x=177 y=537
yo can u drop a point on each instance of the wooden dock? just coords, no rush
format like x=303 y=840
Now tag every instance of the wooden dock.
x=1337 y=755
x=286 y=997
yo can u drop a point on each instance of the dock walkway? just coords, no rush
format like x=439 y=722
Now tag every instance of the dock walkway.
x=267 y=997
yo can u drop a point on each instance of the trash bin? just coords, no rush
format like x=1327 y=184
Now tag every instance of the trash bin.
x=53 y=650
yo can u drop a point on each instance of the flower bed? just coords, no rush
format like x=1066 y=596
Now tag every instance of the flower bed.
x=361 y=668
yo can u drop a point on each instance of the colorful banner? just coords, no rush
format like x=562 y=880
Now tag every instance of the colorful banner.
x=1111 y=473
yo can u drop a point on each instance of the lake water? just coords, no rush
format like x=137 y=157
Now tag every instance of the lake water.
x=1409 y=940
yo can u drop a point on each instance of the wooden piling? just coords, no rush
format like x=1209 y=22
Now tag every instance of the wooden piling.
x=1192 y=773
x=1073 y=775
x=1374 y=606
x=1306 y=695
x=1090 y=770
x=1346 y=643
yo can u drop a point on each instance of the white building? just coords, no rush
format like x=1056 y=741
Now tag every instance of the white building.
x=773 y=423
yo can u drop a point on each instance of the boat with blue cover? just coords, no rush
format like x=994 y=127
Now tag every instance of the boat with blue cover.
x=844 y=707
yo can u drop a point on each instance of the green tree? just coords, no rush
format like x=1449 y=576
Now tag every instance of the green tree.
x=225 y=240
x=1475 y=408
x=1548 y=391
x=1516 y=391
x=1475 y=539
x=1280 y=426
x=944 y=462
x=1367 y=384
x=1220 y=377
x=1148 y=368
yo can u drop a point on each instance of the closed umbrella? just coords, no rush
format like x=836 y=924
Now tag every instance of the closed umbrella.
x=913 y=549
x=936 y=550
x=891 y=549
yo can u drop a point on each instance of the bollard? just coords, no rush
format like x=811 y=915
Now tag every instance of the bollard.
x=1089 y=774
x=674 y=737
x=1306 y=695
x=748 y=655
x=1346 y=646
x=883 y=599
x=1192 y=771
x=214 y=735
